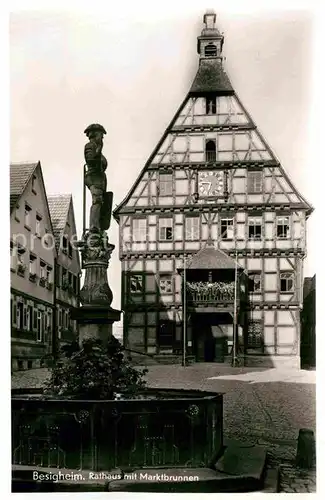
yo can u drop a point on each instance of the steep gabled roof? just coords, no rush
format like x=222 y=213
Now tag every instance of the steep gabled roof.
x=212 y=258
x=20 y=174
x=211 y=77
x=59 y=208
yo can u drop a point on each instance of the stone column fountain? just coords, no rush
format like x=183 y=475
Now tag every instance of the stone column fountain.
x=95 y=316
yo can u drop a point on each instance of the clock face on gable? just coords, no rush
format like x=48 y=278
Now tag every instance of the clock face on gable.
x=211 y=183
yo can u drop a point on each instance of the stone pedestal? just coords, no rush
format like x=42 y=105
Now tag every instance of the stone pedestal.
x=95 y=317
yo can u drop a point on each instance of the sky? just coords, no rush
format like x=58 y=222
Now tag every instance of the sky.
x=130 y=69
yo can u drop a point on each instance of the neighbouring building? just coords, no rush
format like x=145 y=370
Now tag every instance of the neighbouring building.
x=213 y=192
x=32 y=259
x=67 y=269
x=308 y=324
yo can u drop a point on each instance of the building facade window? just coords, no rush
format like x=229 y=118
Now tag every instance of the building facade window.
x=165 y=184
x=39 y=337
x=254 y=338
x=166 y=284
x=21 y=266
x=227 y=228
x=32 y=266
x=165 y=229
x=254 y=282
x=139 y=230
x=136 y=283
x=49 y=275
x=192 y=228
x=210 y=105
x=13 y=256
x=255 y=181
x=28 y=216
x=166 y=333
x=282 y=227
x=20 y=315
x=254 y=228
x=46 y=237
x=38 y=225
x=287 y=282
x=43 y=270
x=210 y=151
x=30 y=318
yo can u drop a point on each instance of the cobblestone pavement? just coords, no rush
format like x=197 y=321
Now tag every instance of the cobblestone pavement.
x=261 y=406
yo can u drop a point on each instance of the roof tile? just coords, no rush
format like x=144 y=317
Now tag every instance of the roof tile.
x=20 y=173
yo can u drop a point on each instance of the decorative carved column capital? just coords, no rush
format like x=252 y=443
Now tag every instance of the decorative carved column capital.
x=96 y=252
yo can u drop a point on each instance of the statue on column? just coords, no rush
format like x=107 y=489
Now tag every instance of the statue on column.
x=95 y=180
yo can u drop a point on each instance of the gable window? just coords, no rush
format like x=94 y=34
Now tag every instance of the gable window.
x=254 y=339
x=136 y=283
x=64 y=245
x=165 y=229
x=166 y=284
x=139 y=228
x=38 y=225
x=254 y=228
x=192 y=228
x=165 y=184
x=34 y=184
x=166 y=333
x=254 y=282
x=70 y=250
x=210 y=50
x=210 y=106
x=28 y=216
x=286 y=282
x=227 y=228
x=282 y=227
x=255 y=181
x=210 y=151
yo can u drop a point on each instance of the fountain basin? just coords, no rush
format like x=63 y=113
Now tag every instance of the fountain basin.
x=159 y=428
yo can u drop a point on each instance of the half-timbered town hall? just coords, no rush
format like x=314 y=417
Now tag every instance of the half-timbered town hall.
x=213 y=231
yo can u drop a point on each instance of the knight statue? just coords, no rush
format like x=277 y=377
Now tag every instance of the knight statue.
x=95 y=179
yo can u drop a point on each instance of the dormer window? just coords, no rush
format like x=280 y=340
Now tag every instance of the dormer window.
x=210 y=105
x=210 y=50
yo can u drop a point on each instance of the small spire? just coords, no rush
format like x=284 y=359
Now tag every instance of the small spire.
x=209 y=19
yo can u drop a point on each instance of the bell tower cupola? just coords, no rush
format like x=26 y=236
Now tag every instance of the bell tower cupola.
x=209 y=44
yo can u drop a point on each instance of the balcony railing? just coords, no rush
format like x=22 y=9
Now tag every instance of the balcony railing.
x=203 y=293
x=210 y=156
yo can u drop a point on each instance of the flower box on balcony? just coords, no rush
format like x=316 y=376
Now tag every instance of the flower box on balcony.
x=49 y=286
x=32 y=277
x=207 y=292
x=42 y=282
x=21 y=269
